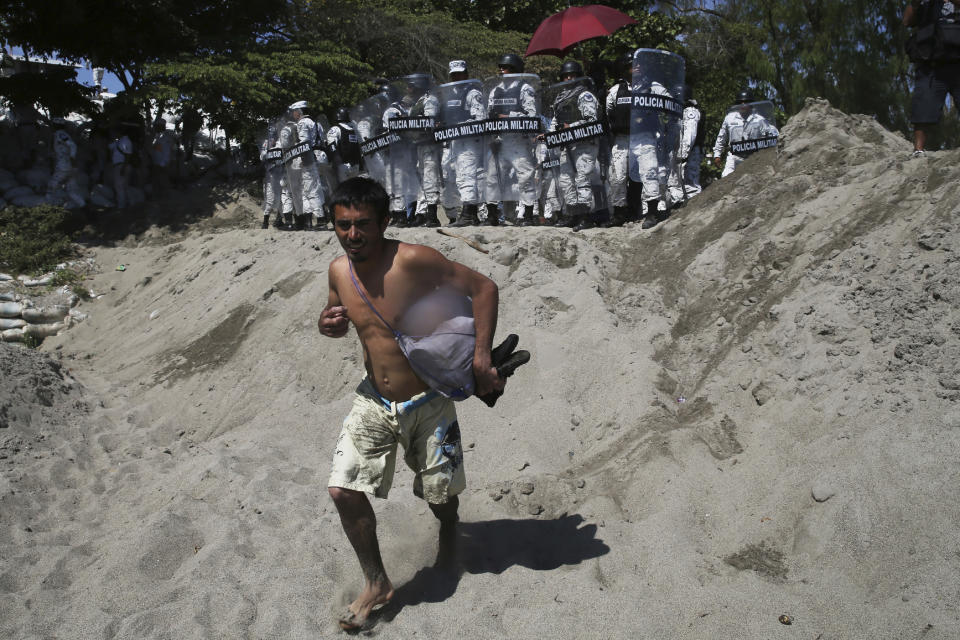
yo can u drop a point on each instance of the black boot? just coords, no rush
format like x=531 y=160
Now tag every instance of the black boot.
x=567 y=217
x=584 y=220
x=617 y=219
x=301 y=222
x=278 y=222
x=467 y=218
x=398 y=218
x=652 y=217
x=493 y=216
x=288 y=222
x=430 y=220
x=266 y=221
x=527 y=220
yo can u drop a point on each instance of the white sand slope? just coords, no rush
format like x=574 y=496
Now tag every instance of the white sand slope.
x=805 y=310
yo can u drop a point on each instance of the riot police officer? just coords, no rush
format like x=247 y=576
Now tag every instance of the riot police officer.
x=510 y=168
x=747 y=120
x=573 y=104
x=619 y=103
x=461 y=101
x=312 y=192
x=343 y=142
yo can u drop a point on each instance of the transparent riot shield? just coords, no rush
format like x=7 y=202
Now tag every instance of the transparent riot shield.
x=658 y=80
x=574 y=136
x=325 y=167
x=415 y=127
x=510 y=132
x=293 y=152
x=271 y=158
x=459 y=128
x=408 y=125
x=368 y=117
x=752 y=127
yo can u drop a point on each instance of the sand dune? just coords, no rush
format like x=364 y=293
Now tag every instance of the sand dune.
x=753 y=410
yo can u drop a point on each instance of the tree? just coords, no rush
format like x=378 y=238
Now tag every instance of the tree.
x=848 y=51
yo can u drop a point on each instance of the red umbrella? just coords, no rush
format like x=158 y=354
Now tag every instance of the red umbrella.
x=560 y=32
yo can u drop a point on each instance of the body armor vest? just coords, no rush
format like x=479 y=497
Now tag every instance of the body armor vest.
x=349 y=145
x=505 y=100
x=455 y=110
x=567 y=110
x=619 y=116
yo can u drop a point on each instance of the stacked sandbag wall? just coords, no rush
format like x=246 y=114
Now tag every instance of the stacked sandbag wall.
x=23 y=321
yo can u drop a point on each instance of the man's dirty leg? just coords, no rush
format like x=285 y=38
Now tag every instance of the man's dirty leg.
x=447 y=515
x=360 y=524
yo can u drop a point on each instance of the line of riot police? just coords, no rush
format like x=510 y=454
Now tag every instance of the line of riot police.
x=506 y=148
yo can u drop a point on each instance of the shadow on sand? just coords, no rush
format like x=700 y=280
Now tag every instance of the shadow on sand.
x=494 y=546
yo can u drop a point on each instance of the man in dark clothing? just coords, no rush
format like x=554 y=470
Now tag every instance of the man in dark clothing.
x=935 y=51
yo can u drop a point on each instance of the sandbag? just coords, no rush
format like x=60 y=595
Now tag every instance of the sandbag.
x=45 y=315
x=12 y=335
x=17 y=191
x=10 y=309
x=8 y=296
x=37 y=177
x=43 y=330
x=36 y=282
x=12 y=323
x=28 y=201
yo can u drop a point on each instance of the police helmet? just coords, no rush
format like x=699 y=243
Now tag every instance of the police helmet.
x=343 y=115
x=419 y=81
x=744 y=96
x=511 y=60
x=571 y=67
x=625 y=61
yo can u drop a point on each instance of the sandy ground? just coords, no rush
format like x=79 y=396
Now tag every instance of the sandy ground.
x=751 y=411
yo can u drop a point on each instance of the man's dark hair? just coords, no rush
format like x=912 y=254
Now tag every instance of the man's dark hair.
x=361 y=193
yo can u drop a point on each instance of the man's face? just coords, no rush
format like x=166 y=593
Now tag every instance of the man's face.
x=504 y=70
x=296 y=114
x=359 y=231
x=457 y=76
x=567 y=77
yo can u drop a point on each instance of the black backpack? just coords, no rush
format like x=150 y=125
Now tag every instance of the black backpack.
x=934 y=40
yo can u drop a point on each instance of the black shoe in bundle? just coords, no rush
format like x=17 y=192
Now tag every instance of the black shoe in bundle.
x=266 y=222
x=506 y=361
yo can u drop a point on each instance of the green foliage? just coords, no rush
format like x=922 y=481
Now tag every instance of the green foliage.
x=847 y=51
x=33 y=240
x=56 y=89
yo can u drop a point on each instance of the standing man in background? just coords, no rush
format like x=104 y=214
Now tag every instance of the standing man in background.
x=934 y=48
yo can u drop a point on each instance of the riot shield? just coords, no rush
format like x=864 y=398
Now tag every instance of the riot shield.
x=459 y=128
x=368 y=116
x=658 y=80
x=403 y=131
x=327 y=172
x=415 y=127
x=574 y=137
x=293 y=152
x=752 y=127
x=510 y=130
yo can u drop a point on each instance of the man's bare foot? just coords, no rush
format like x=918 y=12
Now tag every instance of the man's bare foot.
x=373 y=595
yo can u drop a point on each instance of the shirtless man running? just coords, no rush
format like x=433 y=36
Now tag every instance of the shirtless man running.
x=392 y=404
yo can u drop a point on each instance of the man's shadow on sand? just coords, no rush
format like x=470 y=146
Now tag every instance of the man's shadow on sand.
x=494 y=546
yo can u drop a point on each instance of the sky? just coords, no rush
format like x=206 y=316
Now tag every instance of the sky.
x=85 y=76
